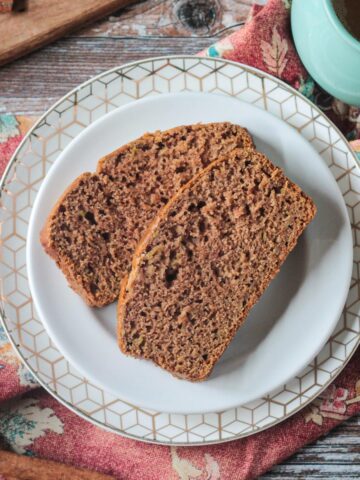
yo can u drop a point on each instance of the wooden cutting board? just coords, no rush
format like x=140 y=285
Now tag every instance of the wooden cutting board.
x=47 y=20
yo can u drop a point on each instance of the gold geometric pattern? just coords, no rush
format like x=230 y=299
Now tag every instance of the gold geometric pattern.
x=29 y=166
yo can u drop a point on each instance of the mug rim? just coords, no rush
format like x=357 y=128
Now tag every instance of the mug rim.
x=329 y=7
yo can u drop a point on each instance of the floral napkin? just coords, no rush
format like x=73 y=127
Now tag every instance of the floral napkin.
x=6 y=6
x=33 y=423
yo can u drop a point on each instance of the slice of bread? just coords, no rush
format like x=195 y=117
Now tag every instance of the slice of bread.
x=95 y=226
x=206 y=259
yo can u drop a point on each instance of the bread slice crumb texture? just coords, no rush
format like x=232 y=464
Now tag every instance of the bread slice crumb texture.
x=95 y=226
x=205 y=261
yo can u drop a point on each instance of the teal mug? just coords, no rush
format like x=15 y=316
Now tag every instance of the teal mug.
x=329 y=52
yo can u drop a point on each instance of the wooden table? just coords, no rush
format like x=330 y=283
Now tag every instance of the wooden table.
x=152 y=28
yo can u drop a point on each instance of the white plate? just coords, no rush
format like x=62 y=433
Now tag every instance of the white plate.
x=285 y=330
x=29 y=167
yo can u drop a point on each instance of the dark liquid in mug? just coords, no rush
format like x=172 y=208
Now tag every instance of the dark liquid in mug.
x=348 y=12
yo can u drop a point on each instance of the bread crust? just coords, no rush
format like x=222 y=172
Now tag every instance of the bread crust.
x=249 y=143
x=61 y=262
x=70 y=270
x=128 y=281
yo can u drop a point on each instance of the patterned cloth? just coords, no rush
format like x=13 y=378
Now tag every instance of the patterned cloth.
x=35 y=424
x=6 y=6
x=266 y=43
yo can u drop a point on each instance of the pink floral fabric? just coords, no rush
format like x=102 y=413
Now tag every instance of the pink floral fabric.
x=266 y=43
x=33 y=423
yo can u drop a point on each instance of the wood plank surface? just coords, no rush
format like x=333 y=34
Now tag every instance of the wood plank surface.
x=175 y=18
x=335 y=456
x=44 y=21
x=32 y=84
x=149 y=28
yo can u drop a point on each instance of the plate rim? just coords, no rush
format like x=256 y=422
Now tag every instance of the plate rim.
x=76 y=410
x=51 y=327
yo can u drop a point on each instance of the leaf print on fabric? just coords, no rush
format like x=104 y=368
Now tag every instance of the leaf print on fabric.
x=9 y=357
x=219 y=48
x=25 y=377
x=212 y=468
x=333 y=400
x=274 y=53
x=357 y=388
x=356 y=399
x=332 y=403
x=8 y=127
x=340 y=108
x=187 y=471
x=23 y=422
x=183 y=467
x=314 y=416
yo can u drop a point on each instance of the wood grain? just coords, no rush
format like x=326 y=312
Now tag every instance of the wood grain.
x=32 y=84
x=335 y=456
x=45 y=21
x=175 y=18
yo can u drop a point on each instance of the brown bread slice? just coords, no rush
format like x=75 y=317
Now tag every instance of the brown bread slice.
x=95 y=226
x=206 y=259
